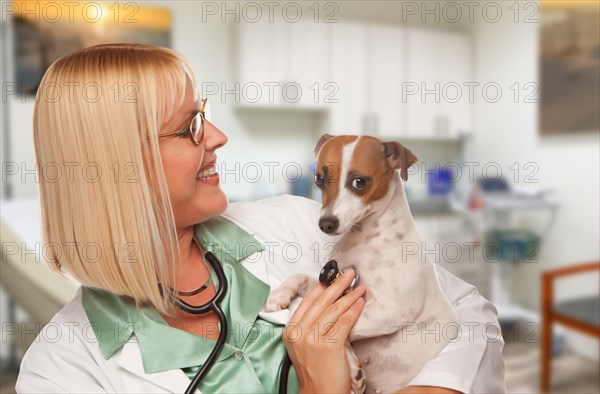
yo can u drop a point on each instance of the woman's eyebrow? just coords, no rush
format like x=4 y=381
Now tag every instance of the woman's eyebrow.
x=190 y=114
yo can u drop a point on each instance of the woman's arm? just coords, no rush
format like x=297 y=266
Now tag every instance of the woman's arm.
x=473 y=363
x=67 y=361
x=319 y=357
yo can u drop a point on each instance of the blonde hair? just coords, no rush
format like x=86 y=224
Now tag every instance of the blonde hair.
x=106 y=213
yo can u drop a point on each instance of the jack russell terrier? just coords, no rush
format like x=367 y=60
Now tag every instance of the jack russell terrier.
x=407 y=319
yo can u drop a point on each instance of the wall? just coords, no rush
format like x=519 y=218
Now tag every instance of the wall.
x=208 y=47
x=282 y=137
x=506 y=52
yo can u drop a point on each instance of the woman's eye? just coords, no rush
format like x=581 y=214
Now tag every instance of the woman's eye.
x=359 y=183
x=319 y=181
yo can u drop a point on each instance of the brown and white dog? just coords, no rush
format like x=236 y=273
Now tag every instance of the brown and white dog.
x=407 y=319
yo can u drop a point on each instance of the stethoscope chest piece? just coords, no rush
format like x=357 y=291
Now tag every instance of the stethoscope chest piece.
x=330 y=272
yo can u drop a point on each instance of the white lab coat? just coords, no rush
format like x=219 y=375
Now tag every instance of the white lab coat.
x=66 y=357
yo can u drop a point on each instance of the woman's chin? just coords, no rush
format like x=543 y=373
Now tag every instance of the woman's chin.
x=223 y=203
x=214 y=205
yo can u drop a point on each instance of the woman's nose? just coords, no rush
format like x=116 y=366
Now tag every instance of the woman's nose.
x=213 y=137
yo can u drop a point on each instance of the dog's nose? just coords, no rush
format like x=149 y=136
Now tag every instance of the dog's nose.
x=328 y=224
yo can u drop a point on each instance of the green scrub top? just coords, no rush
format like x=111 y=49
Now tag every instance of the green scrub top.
x=253 y=354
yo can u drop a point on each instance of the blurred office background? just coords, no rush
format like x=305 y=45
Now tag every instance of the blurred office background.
x=498 y=100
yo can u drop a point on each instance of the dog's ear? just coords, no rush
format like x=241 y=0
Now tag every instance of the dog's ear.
x=322 y=140
x=398 y=156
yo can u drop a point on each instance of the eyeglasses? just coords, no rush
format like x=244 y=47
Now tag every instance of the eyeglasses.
x=195 y=129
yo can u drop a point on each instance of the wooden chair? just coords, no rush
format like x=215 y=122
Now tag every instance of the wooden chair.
x=581 y=314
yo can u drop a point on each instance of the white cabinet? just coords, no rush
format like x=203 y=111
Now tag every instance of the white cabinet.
x=308 y=48
x=386 y=72
x=422 y=77
x=456 y=74
x=397 y=82
x=388 y=81
x=437 y=98
x=349 y=74
x=368 y=67
x=287 y=62
x=262 y=62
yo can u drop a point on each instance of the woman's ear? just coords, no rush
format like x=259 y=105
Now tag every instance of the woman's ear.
x=398 y=156
x=320 y=143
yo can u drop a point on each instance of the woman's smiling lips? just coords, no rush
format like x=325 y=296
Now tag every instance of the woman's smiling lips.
x=208 y=174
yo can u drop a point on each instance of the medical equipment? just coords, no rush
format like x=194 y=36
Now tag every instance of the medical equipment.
x=213 y=305
x=329 y=273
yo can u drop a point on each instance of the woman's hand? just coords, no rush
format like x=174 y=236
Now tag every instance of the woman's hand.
x=316 y=336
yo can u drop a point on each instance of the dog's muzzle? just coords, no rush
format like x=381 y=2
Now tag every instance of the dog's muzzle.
x=328 y=224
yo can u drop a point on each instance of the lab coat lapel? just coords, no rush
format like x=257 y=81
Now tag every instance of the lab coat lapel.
x=173 y=381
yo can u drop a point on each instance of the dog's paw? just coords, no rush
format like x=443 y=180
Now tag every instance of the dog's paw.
x=358 y=381
x=279 y=299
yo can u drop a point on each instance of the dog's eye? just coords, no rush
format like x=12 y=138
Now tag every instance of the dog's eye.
x=359 y=183
x=319 y=181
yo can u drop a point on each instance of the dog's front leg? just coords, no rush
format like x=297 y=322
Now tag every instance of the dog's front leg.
x=358 y=381
x=296 y=285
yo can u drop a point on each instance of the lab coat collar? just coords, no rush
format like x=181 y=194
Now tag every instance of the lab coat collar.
x=173 y=380
x=230 y=243
x=243 y=300
x=223 y=237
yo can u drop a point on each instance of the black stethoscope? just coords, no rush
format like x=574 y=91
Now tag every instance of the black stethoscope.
x=329 y=273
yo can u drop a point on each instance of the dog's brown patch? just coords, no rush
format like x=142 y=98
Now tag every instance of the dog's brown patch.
x=369 y=160
x=329 y=164
x=372 y=159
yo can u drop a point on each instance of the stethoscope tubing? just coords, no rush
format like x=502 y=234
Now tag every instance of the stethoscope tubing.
x=328 y=274
x=213 y=305
x=285 y=372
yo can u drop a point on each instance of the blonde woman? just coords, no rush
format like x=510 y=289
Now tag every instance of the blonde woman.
x=138 y=221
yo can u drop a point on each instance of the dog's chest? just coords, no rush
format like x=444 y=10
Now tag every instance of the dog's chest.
x=377 y=252
x=393 y=287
